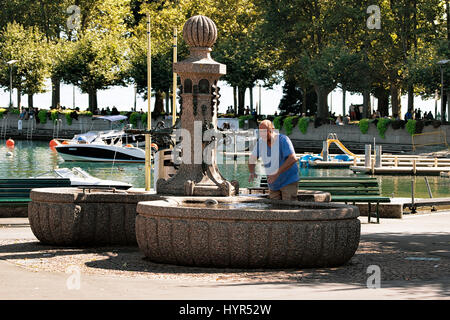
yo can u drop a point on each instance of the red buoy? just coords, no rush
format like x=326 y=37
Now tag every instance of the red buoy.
x=54 y=143
x=10 y=143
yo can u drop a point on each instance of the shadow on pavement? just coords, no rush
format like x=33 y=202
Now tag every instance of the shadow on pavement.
x=408 y=260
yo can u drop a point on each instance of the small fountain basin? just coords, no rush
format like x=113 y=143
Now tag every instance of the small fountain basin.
x=77 y=217
x=245 y=232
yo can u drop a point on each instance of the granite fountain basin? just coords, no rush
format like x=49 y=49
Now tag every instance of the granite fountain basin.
x=245 y=232
x=85 y=217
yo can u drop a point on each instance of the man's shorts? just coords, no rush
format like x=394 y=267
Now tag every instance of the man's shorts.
x=288 y=192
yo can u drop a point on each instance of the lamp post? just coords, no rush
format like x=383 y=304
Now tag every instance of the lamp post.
x=11 y=62
x=441 y=64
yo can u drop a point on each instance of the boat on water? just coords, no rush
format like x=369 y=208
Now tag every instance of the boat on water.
x=80 y=178
x=103 y=146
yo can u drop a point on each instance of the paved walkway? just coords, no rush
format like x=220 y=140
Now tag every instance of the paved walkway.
x=423 y=240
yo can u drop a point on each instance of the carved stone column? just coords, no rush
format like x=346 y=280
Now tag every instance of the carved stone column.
x=198 y=173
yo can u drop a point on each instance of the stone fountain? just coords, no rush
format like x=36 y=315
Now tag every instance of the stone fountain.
x=202 y=220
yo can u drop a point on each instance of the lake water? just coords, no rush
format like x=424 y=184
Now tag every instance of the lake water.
x=30 y=158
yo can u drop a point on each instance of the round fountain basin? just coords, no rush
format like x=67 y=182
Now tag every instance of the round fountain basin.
x=244 y=232
x=77 y=217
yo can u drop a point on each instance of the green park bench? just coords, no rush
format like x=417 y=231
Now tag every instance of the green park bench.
x=342 y=189
x=16 y=192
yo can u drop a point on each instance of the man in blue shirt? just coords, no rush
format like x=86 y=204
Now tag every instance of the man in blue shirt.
x=280 y=162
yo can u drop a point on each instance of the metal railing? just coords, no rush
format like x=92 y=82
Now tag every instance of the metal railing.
x=56 y=128
x=4 y=124
x=30 y=128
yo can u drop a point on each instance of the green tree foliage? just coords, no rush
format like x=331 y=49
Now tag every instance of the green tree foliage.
x=98 y=60
x=291 y=101
x=28 y=46
x=164 y=16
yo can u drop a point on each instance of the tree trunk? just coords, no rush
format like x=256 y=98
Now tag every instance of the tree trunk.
x=251 y=98
x=159 y=103
x=395 y=101
x=410 y=98
x=235 y=104
x=167 y=102
x=383 y=105
x=93 y=100
x=304 y=101
x=56 y=92
x=322 y=103
x=241 y=100
x=366 y=104
x=30 y=101
x=19 y=100
x=344 y=92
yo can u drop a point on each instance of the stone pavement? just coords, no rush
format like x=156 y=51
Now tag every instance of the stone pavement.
x=413 y=254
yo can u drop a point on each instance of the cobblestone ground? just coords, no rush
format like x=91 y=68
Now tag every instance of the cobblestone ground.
x=395 y=263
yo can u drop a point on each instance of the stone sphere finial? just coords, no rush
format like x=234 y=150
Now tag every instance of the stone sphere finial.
x=200 y=31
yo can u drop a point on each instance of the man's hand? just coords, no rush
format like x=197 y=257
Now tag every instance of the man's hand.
x=272 y=178
x=252 y=177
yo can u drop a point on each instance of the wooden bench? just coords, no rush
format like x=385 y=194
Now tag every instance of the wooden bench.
x=342 y=189
x=16 y=192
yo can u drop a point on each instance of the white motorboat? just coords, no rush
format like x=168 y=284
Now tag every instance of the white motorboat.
x=102 y=146
x=98 y=151
x=80 y=178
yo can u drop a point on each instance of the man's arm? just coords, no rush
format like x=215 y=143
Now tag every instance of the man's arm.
x=251 y=167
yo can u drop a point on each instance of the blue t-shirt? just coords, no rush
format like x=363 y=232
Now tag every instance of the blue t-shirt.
x=274 y=157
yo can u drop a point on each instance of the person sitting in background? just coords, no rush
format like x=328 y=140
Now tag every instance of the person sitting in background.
x=74 y=115
x=31 y=113
x=346 y=120
x=23 y=114
x=408 y=115
x=339 y=121
x=430 y=116
x=36 y=111
x=374 y=115
x=114 y=111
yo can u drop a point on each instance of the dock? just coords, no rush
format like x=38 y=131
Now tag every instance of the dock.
x=389 y=164
x=427 y=171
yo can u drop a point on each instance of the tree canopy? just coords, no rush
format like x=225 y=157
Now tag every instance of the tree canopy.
x=386 y=48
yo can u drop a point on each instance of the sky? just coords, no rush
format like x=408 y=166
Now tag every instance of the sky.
x=123 y=99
